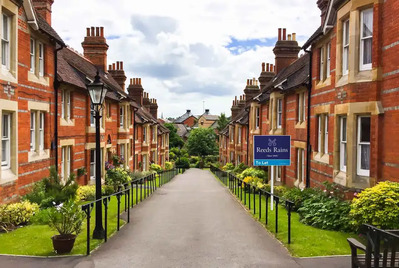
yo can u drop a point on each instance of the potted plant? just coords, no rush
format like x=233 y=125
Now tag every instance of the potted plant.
x=67 y=219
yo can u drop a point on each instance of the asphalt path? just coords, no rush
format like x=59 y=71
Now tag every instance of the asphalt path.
x=193 y=221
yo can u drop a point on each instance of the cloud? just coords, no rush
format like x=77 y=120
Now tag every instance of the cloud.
x=151 y=26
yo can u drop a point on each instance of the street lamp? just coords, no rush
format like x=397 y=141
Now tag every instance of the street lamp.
x=97 y=93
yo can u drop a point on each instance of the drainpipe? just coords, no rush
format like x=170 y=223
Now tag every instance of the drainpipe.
x=309 y=146
x=56 y=85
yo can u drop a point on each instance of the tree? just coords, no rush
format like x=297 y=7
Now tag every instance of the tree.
x=202 y=142
x=174 y=139
x=222 y=121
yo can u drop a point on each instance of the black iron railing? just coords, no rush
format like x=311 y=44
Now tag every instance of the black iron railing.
x=132 y=193
x=242 y=190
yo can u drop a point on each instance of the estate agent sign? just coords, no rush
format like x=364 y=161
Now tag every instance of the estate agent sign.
x=272 y=150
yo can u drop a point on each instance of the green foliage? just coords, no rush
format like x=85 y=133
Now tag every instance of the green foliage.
x=280 y=190
x=228 y=167
x=117 y=177
x=174 y=139
x=253 y=172
x=51 y=190
x=41 y=217
x=117 y=161
x=325 y=212
x=66 y=218
x=202 y=142
x=194 y=159
x=156 y=168
x=88 y=192
x=378 y=205
x=12 y=215
x=183 y=162
x=297 y=195
x=172 y=156
x=168 y=165
x=240 y=168
x=222 y=122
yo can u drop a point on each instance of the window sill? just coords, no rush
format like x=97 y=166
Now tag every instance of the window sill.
x=276 y=131
x=341 y=178
x=301 y=125
x=123 y=130
x=108 y=119
x=67 y=122
x=93 y=130
x=326 y=82
x=343 y=80
x=367 y=75
x=38 y=79
x=325 y=159
x=7 y=75
x=38 y=156
x=7 y=176
x=301 y=185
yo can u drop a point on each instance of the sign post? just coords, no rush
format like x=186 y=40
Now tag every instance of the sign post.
x=272 y=151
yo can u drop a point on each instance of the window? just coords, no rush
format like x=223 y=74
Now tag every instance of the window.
x=322 y=133
x=41 y=59
x=319 y=133
x=33 y=131
x=136 y=133
x=279 y=112
x=108 y=109
x=321 y=65
x=300 y=165
x=257 y=119
x=231 y=157
x=66 y=105
x=345 y=47
x=232 y=135
x=301 y=107
x=326 y=134
x=5 y=141
x=239 y=135
x=36 y=131
x=92 y=119
x=144 y=162
x=154 y=129
x=342 y=145
x=154 y=157
x=363 y=146
x=122 y=117
x=122 y=151
x=328 y=67
x=32 y=55
x=144 y=134
x=366 y=38
x=5 y=42
x=93 y=163
x=65 y=162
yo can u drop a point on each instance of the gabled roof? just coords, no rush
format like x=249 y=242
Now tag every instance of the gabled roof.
x=183 y=117
x=145 y=117
x=181 y=130
x=331 y=16
x=47 y=29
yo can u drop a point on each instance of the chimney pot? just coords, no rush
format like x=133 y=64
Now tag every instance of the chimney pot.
x=102 y=31
x=284 y=34
x=87 y=31
x=250 y=82
x=131 y=81
x=113 y=66
x=117 y=65
x=110 y=67
x=272 y=68
x=279 y=34
x=92 y=31
x=121 y=65
x=294 y=37
x=263 y=67
x=188 y=111
x=139 y=81
x=289 y=37
x=268 y=67
x=97 y=31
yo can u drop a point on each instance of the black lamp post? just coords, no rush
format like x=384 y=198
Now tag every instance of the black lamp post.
x=97 y=93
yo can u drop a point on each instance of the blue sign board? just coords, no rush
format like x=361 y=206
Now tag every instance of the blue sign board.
x=272 y=150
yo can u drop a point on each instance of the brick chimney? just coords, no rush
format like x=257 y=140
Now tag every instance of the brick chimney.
x=251 y=90
x=241 y=102
x=146 y=101
x=135 y=90
x=323 y=6
x=286 y=51
x=95 y=47
x=235 y=109
x=266 y=75
x=154 y=108
x=117 y=72
x=43 y=7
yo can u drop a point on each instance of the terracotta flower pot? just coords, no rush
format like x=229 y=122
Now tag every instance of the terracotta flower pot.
x=63 y=243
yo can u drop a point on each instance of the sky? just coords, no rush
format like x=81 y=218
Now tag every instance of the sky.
x=190 y=54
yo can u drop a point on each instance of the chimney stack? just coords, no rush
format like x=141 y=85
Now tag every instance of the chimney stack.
x=266 y=75
x=154 y=108
x=117 y=72
x=323 y=6
x=43 y=7
x=136 y=90
x=251 y=90
x=95 y=47
x=235 y=110
x=146 y=101
x=286 y=51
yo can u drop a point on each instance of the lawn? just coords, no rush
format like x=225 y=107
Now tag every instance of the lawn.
x=306 y=241
x=35 y=240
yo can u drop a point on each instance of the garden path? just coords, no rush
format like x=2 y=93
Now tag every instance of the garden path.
x=193 y=221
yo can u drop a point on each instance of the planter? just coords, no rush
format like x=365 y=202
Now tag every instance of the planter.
x=63 y=243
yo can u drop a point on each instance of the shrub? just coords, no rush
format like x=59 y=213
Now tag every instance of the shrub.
x=172 y=156
x=378 y=205
x=325 y=212
x=168 y=165
x=117 y=177
x=15 y=214
x=156 y=168
x=41 y=217
x=183 y=162
x=51 y=190
x=194 y=159
x=280 y=190
x=66 y=218
x=228 y=167
x=253 y=172
x=240 y=168
x=297 y=195
x=88 y=192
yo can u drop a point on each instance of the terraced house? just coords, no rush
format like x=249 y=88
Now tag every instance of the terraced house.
x=343 y=123
x=45 y=110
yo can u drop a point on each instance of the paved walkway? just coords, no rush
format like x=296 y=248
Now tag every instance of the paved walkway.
x=193 y=221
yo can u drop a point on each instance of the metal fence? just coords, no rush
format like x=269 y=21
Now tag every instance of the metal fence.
x=142 y=187
x=242 y=189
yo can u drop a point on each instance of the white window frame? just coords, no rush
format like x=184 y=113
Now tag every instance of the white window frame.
x=300 y=165
x=41 y=59
x=92 y=119
x=360 y=171
x=154 y=134
x=92 y=164
x=301 y=107
x=343 y=143
x=32 y=55
x=41 y=130
x=232 y=135
x=6 y=141
x=239 y=135
x=145 y=134
x=257 y=117
x=363 y=39
x=122 y=151
x=279 y=113
x=328 y=67
x=122 y=116
x=68 y=104
x=319 y=133
x=345 y=47
x=321 y=64
x=5 y=41
x=326 y=134
x=144 y=165
x=33 y=131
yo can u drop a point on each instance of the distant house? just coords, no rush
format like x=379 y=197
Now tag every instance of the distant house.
x=207 y=120
x=187 y=119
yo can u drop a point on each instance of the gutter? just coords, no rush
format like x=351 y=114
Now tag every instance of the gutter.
x=308 y=145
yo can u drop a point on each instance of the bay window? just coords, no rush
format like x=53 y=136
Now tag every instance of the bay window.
x=32 y=55
x=328 y=63
x=321 y=65
x=5 y=141
x=65 y=163
x=5 y=41
x=33 y=131
x=363 y=146
x=342 y=144
x=366 y=39
x=122 y=117
x=326 y=134
x=37 y=131
x=345 y=47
